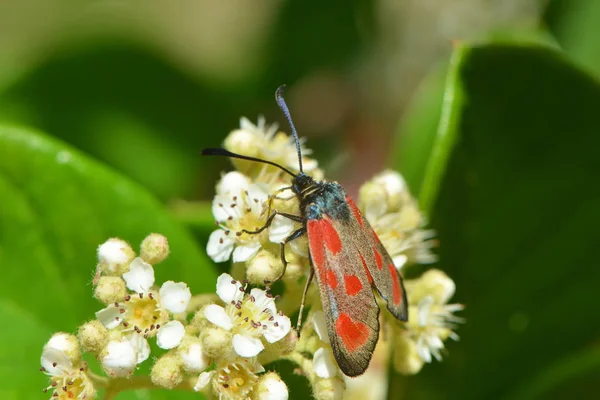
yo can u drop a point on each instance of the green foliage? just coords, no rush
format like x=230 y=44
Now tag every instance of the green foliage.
x=515 y=209
x=57 y=207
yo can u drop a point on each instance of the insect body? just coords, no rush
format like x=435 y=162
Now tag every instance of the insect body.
x=347 y=258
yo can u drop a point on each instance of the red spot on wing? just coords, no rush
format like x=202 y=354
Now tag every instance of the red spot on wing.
x=364 y=264
x=396 y=290
x=352 y=284
x=355 y=211
x=330 y=236
x=354 y=334
x=378 y=259
x=331 y=279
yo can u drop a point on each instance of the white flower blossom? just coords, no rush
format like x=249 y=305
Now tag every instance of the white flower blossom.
x=324 y=363
x=231 y=379
x=431 y=320
x=68 y=377
x=394 y=215
x=250 y=317
x=239 y=211
x=266 y=142
x=145 y=313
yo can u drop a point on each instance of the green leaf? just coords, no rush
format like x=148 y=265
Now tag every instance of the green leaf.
x=57 y=206
x=517 y=216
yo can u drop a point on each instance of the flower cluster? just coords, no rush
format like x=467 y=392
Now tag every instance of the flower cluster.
x=244 y=200
x=220 y=345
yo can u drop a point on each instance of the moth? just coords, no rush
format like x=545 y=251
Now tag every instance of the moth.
x=346 y=256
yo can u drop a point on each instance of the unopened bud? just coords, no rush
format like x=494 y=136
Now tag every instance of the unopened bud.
x=93 y=336
x=167 y=371
x=110 y=289
x=216 y=342
x=154 y=249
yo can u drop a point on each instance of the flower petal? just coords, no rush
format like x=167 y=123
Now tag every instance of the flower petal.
x=193 y=358
x=277 y=331
x=219 y=246
x=247 y=346
x=246 y=251
x=323 y=363
x=140 y=276
x=262 y=301
x=217 y=315
x=55 y=362
x=114 y=251
x=170 y=335
x=281 y=227
x=203 y=381
x=232 y=183
x=175 y=297
x=220 y=208
x=109 y=316
x=141 y=346
x=228 y=289
x=119 y=358
x=257 y=195
x=320 y=326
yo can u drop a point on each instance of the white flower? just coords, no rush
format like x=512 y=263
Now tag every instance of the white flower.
x=231 y=379
x=431 y=320
x=235 y=213
x=145 y=313
x=249 y=317
x=264 y=141
x=68 y=377
x=240 y=211
x=119 y=358
x=394 y=215
x=324 y=363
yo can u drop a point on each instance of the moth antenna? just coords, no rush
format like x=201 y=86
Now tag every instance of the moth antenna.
x=225 y=153
x=286 y=112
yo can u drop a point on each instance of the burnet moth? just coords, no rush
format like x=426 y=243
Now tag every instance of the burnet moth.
x=346 y=256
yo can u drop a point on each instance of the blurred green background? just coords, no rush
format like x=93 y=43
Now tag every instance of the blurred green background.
x=490 y=108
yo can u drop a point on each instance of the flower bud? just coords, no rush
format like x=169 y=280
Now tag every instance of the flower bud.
x=114 y=257
x=270 y=387
x=167 y=371
x=154 y=249
x=329 y=389
x=406 y=359
x=66 y=343
x=118 y=358
x=93 y=336
x=110 y=289
x=264 y=267
x=216 y=342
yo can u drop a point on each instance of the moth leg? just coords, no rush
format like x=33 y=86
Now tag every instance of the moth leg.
x=274 y=196
x=311 y=275
x=295 y=235
x=293 y=217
